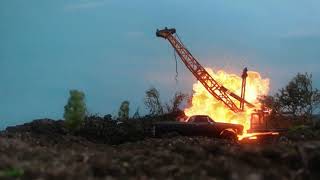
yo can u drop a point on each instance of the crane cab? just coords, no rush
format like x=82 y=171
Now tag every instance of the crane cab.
x=164 y=33
x=259 y=121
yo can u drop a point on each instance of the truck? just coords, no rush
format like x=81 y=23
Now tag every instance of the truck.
x=198 y=125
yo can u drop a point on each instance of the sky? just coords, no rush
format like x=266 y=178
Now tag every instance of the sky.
x=108 y=49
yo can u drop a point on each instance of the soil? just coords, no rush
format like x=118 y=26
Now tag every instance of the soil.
x=105 y=149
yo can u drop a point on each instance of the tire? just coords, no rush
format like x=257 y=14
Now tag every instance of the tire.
x=229 y=135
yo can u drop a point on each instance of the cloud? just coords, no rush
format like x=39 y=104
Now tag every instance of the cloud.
x=85 y=4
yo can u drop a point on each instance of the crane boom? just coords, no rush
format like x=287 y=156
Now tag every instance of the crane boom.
x=213 y=87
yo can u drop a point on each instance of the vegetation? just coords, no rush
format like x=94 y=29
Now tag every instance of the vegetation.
x=176 y=102
x=11 y=173
x=152 y=101
x=123 y=113
x=166 y=111
x=107 y=117
x=299 y=98
x=75 y=110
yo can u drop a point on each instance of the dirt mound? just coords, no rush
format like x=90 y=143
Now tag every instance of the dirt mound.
x=47 y=131
x=104 y=149
x=167 y=158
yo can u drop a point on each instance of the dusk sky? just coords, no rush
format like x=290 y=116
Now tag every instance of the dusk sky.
x=108 y=49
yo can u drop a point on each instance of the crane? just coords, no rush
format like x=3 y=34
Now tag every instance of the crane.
x=216 y=89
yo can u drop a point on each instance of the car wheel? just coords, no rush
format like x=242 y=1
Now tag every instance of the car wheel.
x=229 y=135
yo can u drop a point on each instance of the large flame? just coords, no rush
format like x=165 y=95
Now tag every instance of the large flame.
x=203 y=103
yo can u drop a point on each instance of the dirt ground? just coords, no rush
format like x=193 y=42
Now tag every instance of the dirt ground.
x=29 y=154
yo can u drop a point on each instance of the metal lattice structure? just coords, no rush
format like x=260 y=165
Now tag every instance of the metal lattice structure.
x=213 y=87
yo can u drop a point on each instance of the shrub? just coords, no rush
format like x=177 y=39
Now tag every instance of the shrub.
x=107 y=117
x=75 y=110
x=12 y=173
x=301 y=132
x=124 y=110
x=175 y=103
x=299 y=97
x=152 y=101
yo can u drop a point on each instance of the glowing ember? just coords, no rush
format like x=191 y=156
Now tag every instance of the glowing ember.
x=203 y=103
x=252 y=136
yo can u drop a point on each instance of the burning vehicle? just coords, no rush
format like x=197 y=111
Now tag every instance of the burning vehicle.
x=199 y=125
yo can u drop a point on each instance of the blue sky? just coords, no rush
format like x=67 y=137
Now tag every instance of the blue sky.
x=108 y=48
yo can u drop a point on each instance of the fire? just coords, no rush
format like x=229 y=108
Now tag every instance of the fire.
x=205 y=104
x=252 y=136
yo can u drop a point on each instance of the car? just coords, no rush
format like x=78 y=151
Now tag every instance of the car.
x=198 y=125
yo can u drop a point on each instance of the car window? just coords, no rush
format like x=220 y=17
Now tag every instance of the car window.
x=203 y=119
x=210 y=120
x=199 y=119
x=191 y=119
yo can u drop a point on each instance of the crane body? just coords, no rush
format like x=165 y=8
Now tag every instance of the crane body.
x=213 y=87
x=259 y=118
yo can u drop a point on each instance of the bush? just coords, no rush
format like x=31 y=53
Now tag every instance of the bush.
x=11 y=173
x=75 y=110
x=301 y=132
x=175 y=103
x=123 y=113
x=299 y=97
x=152 y=102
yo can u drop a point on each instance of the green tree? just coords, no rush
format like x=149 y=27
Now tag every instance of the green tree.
x=152 y=101
x=123 y=112
x=75 y=110
x=298 y=98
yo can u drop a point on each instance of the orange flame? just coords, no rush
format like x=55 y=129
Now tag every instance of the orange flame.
x=252 y=136
x=203 y=103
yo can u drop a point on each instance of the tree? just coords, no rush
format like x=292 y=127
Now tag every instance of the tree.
x=123 y=112
x=315 y=101
x=152 y=101
x=299 y=97
x=176 y=102
x=75 y=110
